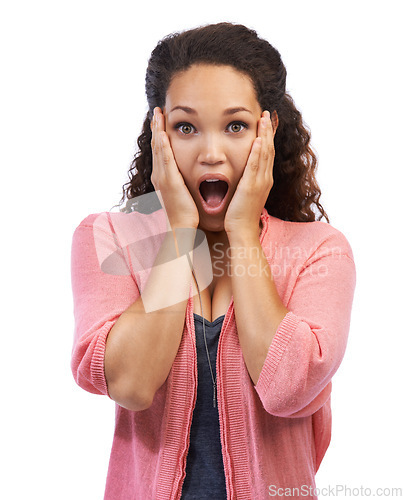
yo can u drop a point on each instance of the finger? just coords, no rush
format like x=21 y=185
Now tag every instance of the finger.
x=155 y=113
x=270 y=131
x=156 y=117
x=267 y=152
x=153 y=119
x=166 y=150
x=158 y=171
x=157 y=131
x=153 y=128
x=262 y=136
x=252 y=164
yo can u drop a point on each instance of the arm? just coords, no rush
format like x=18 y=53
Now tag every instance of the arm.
x=120 y=349
x=258 y=307
x=292 y=351
x=143 y=344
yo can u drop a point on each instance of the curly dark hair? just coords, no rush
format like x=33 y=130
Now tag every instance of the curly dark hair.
x=295 y=193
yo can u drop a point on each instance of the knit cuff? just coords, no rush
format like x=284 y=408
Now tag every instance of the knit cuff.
x=276 y=350
x=98 y=359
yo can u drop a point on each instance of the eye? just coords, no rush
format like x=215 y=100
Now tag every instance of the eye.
x=236 y=127
x=185 y=128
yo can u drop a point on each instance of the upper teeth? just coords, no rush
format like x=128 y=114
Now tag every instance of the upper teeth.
x=212 y=180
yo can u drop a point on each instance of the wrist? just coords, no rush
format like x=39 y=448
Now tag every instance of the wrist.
x=244 y=237
x=184 y=238
x=183 y=225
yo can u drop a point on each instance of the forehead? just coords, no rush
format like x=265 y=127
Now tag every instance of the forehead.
x=201 y=84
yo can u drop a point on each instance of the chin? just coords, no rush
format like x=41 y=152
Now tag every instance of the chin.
x=212 y=224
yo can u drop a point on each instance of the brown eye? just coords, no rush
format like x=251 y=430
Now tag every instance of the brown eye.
x=185 y=128
x=236 y=127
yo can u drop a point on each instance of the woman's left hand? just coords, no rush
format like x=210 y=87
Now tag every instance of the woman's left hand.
x=245 y=208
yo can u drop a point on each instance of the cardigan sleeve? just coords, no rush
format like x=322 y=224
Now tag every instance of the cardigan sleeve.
x=310 y=342
x=99 y=298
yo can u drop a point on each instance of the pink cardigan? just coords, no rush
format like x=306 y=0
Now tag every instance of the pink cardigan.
x=274 y=435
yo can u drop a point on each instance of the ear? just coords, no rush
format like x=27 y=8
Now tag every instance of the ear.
x=274 y=121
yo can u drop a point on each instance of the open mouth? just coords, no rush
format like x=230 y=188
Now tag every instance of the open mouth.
x=213 y=191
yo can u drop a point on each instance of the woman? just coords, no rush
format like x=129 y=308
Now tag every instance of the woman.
x=227 y=396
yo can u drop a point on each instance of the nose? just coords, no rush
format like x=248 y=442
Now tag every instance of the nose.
x=211 y=150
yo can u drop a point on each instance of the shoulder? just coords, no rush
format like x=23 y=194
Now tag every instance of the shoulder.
x=88 y=220
x=124 y=228
x=307 y=238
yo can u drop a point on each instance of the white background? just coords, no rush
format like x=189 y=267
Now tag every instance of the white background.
x=72 y=104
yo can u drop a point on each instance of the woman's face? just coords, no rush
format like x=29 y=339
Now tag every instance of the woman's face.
x=211 y=115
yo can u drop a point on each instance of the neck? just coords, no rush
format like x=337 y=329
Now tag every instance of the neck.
x=220 y=238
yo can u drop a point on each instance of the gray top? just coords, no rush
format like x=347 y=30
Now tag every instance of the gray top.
x=205 y=478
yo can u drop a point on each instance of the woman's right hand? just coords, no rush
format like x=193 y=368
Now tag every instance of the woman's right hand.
x=166 y=178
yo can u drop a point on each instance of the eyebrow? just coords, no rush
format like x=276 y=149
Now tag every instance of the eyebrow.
x=228 y=111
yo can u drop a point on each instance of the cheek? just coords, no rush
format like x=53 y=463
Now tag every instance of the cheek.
x=177 y=149
x=182 y=154
x=240 y=154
